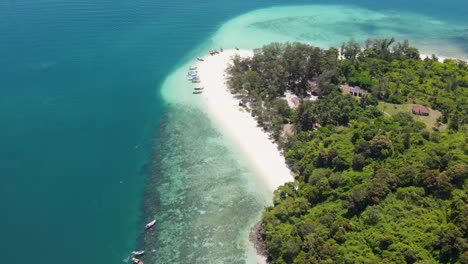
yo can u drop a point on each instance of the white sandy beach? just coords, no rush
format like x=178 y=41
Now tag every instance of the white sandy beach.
x=239 y=125
x=424 y=56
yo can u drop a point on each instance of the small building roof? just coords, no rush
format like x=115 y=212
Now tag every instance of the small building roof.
x=355 y=90
x=420 y=108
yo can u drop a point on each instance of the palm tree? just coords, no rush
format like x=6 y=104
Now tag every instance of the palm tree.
x=384 y=48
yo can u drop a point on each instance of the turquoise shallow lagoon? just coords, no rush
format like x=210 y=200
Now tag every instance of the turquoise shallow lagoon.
x=330 y=25
x=99 y=132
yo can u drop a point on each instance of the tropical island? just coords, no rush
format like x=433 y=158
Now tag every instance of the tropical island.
x=376 y=140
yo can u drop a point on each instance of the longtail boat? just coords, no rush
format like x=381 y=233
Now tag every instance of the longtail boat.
x=150 y=224
x=137 y=261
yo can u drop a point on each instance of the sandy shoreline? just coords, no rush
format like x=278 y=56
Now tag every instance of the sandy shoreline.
x=439 y=58
x=239 y=125
x=261 y=152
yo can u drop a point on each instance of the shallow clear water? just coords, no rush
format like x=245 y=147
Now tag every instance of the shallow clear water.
x=206 y=197
x=331 y=25
x=81 y=84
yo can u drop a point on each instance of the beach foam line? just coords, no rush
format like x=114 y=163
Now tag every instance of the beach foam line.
x=238 y=124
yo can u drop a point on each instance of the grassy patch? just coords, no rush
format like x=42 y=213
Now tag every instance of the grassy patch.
x=430 y=121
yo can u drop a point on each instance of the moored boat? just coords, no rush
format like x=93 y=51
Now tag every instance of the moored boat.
x=195 y=80
x=137 y=253
x=192 y=68
x=200 y=59
x=199 y=88
x=217 y=52
x=197 y=92
x=150 y=224
x=137 y=261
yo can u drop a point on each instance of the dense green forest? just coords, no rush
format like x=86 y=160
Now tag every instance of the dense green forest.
x=369 y=187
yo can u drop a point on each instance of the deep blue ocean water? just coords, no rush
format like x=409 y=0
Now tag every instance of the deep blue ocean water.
x=80 y=108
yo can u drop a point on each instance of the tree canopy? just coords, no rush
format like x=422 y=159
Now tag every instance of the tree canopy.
x=370 y=188
x=387 y=70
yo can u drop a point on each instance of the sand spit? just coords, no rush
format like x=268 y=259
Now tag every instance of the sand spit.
x=238 y=124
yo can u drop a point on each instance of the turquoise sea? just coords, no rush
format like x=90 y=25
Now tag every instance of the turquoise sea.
x=98 y=133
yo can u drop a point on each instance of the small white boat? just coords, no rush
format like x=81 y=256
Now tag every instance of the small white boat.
x=137 y=253
x=137 y=261
x=193 y=68
x=150 y=224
